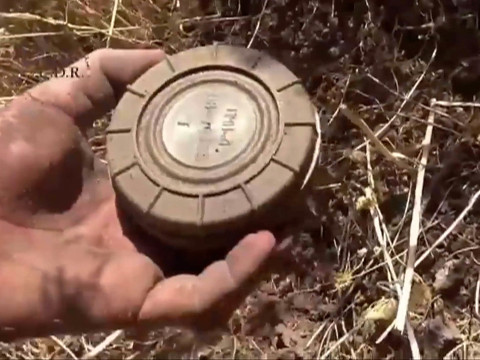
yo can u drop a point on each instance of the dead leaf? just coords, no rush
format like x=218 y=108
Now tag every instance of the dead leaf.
x=358 y=157
x=303 y=302
x=191 y=8
x=473 y=128
x=383 y=309
x=289 y=337
x=328 y=309
x=343 y=279
x=439 y=335
x=367 y=202
x=284 y=354
x=450 y=275
x=262 y=321
x=322 y=177
x=420 y=298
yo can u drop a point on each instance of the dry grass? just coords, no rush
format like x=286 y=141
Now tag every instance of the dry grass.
x=373 y=71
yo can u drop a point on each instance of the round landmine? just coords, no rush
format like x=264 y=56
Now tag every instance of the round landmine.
x=210 y=144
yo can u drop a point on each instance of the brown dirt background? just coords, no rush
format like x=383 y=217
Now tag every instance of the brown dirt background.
x=386 y=61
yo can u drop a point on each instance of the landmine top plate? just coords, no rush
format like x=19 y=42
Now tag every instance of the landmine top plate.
x=209 y=140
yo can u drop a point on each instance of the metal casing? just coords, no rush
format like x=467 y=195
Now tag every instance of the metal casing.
x=213 y=140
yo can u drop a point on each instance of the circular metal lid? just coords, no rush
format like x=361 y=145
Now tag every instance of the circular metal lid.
x=210 y=140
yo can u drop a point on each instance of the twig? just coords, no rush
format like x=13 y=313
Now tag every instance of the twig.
x=63 y=346
x=352 y=351
x=315 y=334
x=455 y=253
x=463 y=344
x=337 y=110
x=86 y=346
x=385 y=333
x=30 y=35
x=429 y=25
x=234 y=352
x=133 y=356
x=383 y=130
x=257 y=27
x=112 y=21
x=402 y=312
x=477 y=296
x=102 y=346
x=413 y=342
x=423 y=106
x=76 y=32
x=316 y=154
x=437 y=126
x=28 y=16
x=380 y=230
x=382 y=233
x=452 y=227
x=257 y=347
x=404 y=216
x=325 y=338
x=457 y=104
x=383 y=244
x=318 y=143
x=358 y=121
x=211 y=19
x=341 y=341
x=80 y=30
x=377 y=266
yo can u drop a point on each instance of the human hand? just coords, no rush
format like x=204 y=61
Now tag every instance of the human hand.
x=67 y=261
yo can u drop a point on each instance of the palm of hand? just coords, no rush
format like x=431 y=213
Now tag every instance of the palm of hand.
x=76 y=266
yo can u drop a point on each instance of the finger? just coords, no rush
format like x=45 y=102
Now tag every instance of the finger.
x=209 y=299
x=95 y=83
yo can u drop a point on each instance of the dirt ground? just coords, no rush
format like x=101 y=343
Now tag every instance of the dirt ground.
x=375 y=69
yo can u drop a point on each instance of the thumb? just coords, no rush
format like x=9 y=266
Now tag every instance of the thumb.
x=209 y=299
x=100 y=80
